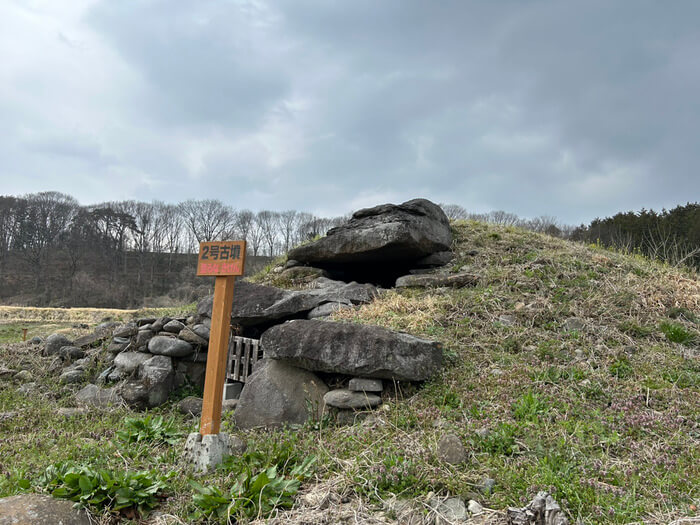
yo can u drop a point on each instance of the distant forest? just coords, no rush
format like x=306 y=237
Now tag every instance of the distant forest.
x=55 y=252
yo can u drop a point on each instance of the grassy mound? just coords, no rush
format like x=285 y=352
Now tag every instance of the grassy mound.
x=570 y=369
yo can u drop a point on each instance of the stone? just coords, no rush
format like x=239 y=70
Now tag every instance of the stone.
x=325 y=310
x=169 y=346
x=70 y=353
x=276 y=394
x=156 y=376
x=448 y=511
x=92 y=339
x=229 y=405
x=187 y=334
x=39 y=509
x=143 y=337
x=487 y=485
x=233 y=390
x=433 y=280
x=54 y=343
x=202 y=331
x=6 y=372
x=36 y=340
x=435 y=259
x=23 y=375
x=507 y=319
x=303 y=273
x=205 y=452
x=574 y=324
x=474 y=507
x=115 y=348
x=291 y=263
x=173 y=326
x=451 y=450
x=71 y=411
x=384 y=233
x=542 y=510
x=28 y=388
x=145 y=321
x=128 y=362
x=352 y=349
x=191 y=405
x=257 y=304
x=194 y=372
x=158 y=324
x=71 y=376
x=346 y=399
x=125 y=330
x=96 y=397
x=364 y=384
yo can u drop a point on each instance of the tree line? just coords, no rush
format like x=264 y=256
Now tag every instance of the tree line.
x=53 y=251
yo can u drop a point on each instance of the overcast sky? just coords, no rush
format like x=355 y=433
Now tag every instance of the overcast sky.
x=572 y=109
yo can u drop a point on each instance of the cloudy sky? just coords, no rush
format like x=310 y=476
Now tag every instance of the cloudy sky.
x=573 y=109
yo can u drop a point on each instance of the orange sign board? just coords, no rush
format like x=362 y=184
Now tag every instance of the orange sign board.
x=221 y=258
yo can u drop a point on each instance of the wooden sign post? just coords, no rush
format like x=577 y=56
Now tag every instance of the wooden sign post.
x=225 y=260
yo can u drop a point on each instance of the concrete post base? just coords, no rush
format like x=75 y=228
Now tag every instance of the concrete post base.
x=205 y=452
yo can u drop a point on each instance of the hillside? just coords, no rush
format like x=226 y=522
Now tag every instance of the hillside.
x=570 y=369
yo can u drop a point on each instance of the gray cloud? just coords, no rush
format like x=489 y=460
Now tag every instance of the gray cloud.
x=573 y=109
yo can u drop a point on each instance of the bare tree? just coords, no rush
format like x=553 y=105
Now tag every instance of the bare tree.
x=207 y=220
x=454 y=211
x=288 y=224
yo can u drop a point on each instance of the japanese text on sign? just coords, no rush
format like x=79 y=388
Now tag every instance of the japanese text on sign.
x=221 y=258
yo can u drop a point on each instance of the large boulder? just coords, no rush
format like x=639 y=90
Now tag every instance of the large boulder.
x=127 y=362
x=156 y=377
x=169 y=346
x=256 y=304
x=352 y=349
x=40 y=509
x=54 y=343
x=277 y=394
x=384 y=233
x=96 y=397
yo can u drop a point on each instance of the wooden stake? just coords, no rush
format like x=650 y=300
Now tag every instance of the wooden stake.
x=216 y=358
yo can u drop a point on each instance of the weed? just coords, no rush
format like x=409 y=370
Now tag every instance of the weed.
x=621 y=368
x=529 y=407
x=150 y=428
x=677 y=333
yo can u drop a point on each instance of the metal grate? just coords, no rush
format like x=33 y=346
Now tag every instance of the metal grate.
x=243 y=353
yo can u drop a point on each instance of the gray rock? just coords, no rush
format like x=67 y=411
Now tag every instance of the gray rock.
x=94 y=338
x=435 y=259
x=325 y=310
x=169 y=346
x=507 y=319
x=346 y=399
x=385 y=233
x=363 y=384
x=6 y=372
x=126 y=330
x=202 y=331
x=71 y=376
x=173 y=326
x=542 y=510
x=39 y=509
x=487 y=485
x=187 y=334
x=190 y=405
x=115 y=348
x=128 y=362
x=432 y=280
x=307 y=273
x=154 y=386
x=143 y=337
x=144 y=321
x=277 y=394
x=36 y=340
x=23 y=375
x=158 y=324
x=205 y=452
x=70 y=353
x=94 y=396
x=451 y=450
x=352 y=349
x=257 y=304
x=28 y=388
x=574 y=324
x=121 y=340
x=192 y=371
x=474 y=507
x=54 y=343
x=448 y=511
x=291 y=263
